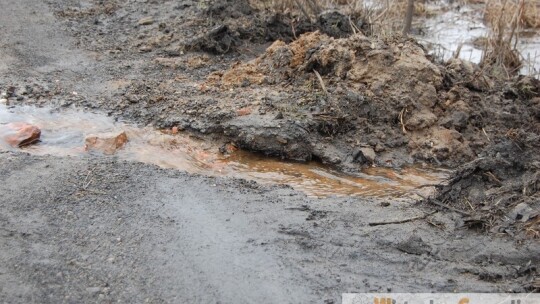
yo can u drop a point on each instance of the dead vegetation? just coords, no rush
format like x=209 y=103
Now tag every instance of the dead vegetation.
x=525 y=14
x=384 y=18
x=501 y=56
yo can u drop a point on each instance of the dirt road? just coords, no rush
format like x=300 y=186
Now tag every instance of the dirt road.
x=95 y=229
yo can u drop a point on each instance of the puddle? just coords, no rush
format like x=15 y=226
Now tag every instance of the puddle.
x=462 y=25
x=63 y=133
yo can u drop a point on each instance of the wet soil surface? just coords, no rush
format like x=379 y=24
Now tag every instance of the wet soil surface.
x=63 y=132
x=83 y=230
x=96 y=228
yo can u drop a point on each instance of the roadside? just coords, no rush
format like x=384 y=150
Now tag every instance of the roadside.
x=80 y=230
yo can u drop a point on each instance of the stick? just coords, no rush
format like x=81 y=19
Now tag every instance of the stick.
x=401 y=120
x=408 y=17
x=403 y=220
x=448 y=207
x=321 y=81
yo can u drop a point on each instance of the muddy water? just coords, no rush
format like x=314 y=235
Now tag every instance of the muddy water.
x=461 y=26
x=63 y=134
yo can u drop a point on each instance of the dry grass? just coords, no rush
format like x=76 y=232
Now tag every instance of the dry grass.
x=384 y=17
x=529 y=17
x=501 y=56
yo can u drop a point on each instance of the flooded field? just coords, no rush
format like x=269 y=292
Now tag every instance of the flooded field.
x=63 y=133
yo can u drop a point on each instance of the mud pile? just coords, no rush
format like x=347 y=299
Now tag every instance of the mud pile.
x=395 y=105
x=230 y=23
x=499 y=190
x=346 y=99
x=386 y=94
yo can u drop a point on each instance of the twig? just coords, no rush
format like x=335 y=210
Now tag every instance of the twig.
x=403 y=220
x=321 y=81
x=448 y=207
x=353 y=26
x=483 y=130
x=470 y=205
x=401 y=120
x=302 y=8
x=490 y=174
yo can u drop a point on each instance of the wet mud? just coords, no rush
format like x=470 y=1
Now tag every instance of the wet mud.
x=67 y=133
x=349 y=101
x=241 y=94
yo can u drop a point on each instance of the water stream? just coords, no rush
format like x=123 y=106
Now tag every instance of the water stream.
x=63 y=133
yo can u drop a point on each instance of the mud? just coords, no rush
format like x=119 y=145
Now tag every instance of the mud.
x=77 y=133
x=316 y=98
x=100 y=229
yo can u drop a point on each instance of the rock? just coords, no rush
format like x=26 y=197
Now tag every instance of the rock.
x=521 y=212
x=3 y=100
x=93 y=290
x=19 y=134
x=365 y=154
x=107 y=143
x=145 y=49
x=243 y=111
x=457 y=120
x=414 y=245
x=146 y=21
x=421 y=120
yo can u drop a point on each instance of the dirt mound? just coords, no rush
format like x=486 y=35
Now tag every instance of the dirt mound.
x=232 y=22
x=384 y=93
x=388 y=96
x=500 y=189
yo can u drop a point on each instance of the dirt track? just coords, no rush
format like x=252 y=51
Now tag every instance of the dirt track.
x=78 y=230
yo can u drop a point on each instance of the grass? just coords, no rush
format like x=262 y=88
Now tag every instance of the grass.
x=529 y=12
x=501 y=56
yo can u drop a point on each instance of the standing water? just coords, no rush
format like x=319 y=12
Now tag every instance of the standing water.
x=462 y=27
x=63 y=133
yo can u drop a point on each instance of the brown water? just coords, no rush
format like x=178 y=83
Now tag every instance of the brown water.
x=63 y=134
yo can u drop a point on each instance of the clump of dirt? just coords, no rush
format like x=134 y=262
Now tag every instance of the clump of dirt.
x=387 y=97
x=386 y=93
x=500 y=189
x=231 y=22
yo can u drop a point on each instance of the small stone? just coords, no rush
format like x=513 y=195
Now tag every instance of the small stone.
x=414 y=245
x=3 y=100
x=19 y=134
x=365 y=154
x=281 y=140
x=107 y=143
x=93 y=290
x=521 y=212
x=379 y=148
x=243 y=111
x=145 y=49
x=146 y=21
x=174 y=130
